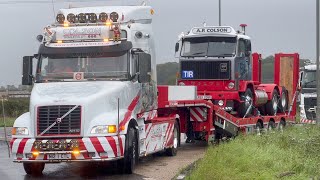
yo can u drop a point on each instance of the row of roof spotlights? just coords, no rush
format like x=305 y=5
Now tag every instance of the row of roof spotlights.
x=87 y=17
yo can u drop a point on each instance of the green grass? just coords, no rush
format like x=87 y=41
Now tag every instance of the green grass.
x=293 y=154
x=9 y=121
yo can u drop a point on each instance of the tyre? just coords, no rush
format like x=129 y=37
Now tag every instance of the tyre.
x=35 y=168
x=247 y=99
x=271 y=125
x=259 y=128
x=282 y=125
x=272 y=105
x=284 y=101
x=131 y=152
x=174 y=149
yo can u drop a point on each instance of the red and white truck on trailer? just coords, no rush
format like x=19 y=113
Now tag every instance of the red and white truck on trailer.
x=218 y=61
x=95 y=96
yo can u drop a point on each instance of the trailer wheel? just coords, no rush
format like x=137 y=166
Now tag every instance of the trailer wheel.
x=174 y=149
x=131 y=152
x=282 y=125
x=284 y=100
x=272 y=105
x=248 y=100
x=259 y=127
x=271 y=125
x=35 y=168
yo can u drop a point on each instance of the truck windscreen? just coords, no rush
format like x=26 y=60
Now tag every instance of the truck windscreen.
x=93 y=67
x=209 y=46
x=309 y=79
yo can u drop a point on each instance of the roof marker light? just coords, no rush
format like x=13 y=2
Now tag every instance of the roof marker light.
x=103 y=17
x=60 y=18
x=92 y=18
x=114 y=16
x=71 y=18
x=82 y=18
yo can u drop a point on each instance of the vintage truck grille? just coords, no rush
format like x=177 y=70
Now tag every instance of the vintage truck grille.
x=207 y=69
x=310 y=102
x=70 y=125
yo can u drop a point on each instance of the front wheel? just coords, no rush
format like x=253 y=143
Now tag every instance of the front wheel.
x=245 y=107
x=174 y=149
x=33 y=168
x=131 y=152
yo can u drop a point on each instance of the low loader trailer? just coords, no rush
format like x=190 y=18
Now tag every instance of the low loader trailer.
x=95 y=96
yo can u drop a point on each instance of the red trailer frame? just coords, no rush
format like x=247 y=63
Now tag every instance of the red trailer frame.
x=217 y=117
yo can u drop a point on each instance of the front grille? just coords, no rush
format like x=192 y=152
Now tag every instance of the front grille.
x=70 y=125
x=310 y=102
x=206 y=69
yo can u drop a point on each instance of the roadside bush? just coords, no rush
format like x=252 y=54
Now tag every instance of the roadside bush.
x=15 y=107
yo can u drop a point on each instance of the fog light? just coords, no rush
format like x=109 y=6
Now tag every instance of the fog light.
x=63 y=145
x=35 y=154
x=75 y=152
x=231 y=85
x=220 y=103
x=74 y=144
x=37 y=145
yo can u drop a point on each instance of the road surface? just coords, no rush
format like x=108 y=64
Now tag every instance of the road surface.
x=158 y=166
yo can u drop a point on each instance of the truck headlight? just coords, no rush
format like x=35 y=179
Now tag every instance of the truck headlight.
x=20 y=131
x=104 y=129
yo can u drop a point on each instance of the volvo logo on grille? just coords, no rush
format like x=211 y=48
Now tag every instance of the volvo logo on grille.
x=59 y=120
x=223 y=67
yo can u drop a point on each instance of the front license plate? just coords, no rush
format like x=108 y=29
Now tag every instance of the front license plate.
x=59 y=156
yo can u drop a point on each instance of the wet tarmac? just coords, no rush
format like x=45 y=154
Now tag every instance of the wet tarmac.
x=157 y=166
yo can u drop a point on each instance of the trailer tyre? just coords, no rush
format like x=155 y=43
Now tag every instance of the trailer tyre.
x=131 y=152
x=247 y=99
x=174 y=149
x=271 y=125
x=272 y=105
x=284 y=100
x=34 y=168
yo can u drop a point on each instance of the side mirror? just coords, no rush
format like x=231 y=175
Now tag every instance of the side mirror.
x=176 y=49
x=300 y=79
x=27 y=77
x=144 y=63
x=248 y=53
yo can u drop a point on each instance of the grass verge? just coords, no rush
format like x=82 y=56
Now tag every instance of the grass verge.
x=9 y=121
x=293 y=154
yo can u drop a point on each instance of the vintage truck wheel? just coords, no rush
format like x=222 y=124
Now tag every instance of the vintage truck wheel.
x=35 y=168
x=272 y=105
x=174 y=149
x=284 y=101
x=247 y=99
x=131 y=152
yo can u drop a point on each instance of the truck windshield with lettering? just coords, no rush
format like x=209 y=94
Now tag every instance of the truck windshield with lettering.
x=91 y=67
x=209 y=46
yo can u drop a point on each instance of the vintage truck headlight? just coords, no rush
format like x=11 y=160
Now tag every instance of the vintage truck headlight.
x=104 y=129
x=20 y=131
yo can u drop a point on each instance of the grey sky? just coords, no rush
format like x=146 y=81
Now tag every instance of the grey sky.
x=274 y=25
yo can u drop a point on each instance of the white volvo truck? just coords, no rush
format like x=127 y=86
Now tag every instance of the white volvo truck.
x=94 y=94
x=308 y=94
